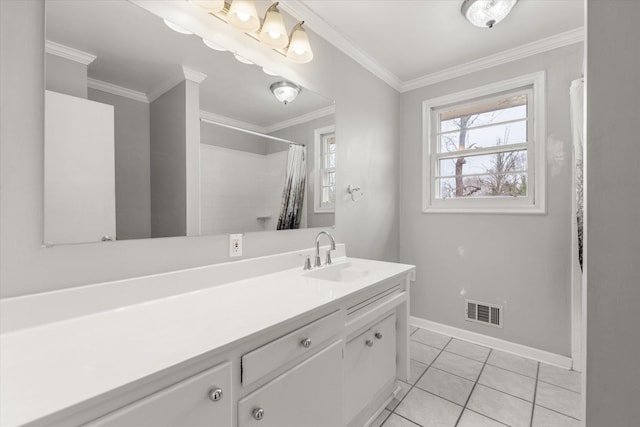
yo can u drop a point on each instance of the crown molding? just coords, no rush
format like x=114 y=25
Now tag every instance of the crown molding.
x=117 y=90
x=317 y=24
x=301 y=119
x=69 y=53
x=543 y=45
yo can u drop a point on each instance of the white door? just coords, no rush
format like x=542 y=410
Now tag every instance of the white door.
x=79 y=170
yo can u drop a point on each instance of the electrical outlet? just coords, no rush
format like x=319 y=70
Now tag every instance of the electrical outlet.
x=235 y=245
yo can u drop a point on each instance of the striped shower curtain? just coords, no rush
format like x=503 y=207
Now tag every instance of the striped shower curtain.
x=294 y=189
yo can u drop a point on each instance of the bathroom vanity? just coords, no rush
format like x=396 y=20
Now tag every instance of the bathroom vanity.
x=278 y=346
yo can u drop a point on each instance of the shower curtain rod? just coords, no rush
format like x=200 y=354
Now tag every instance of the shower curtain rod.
x=275 y=138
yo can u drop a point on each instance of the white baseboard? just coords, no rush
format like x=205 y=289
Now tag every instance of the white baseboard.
x=497 y=343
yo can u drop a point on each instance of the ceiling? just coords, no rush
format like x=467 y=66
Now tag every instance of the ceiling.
x=408 y=39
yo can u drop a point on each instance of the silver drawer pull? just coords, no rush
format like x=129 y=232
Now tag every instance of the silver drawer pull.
x=369 y=343
x=258 y=413
x=378 y=335
x=306 y=343
x=215 y=394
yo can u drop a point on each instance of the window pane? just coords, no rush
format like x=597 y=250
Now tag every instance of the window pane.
x=494 y=111
x=498 y=185
x=492 y=136
x=331 y=160
x=509 y=161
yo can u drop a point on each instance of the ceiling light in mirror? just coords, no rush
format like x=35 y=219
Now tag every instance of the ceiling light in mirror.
x=211 y=6
x=243 y=15
x=486 y=13
x=285 y=91
x=214 y=46
x=273 y=32
x=299 y=48
x=176 y=28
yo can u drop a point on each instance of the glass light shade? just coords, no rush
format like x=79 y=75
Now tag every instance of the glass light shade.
x=211 y=6
x=243 y=15
x=176 y=28
x=284 y=91
x=486 y=13
x=212 y=45
x=299 y=48
x=273 y=32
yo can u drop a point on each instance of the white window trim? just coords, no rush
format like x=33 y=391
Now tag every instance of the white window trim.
x=537 y=152
x=317 y=142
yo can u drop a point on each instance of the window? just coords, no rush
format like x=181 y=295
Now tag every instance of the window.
x=483 y=149
x=325 y=166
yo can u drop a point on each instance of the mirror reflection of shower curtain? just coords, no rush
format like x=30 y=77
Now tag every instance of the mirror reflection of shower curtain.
x=576 y=92
x=294 y=189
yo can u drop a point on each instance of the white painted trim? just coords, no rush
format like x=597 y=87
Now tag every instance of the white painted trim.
x=231 y=122
x=497 y=343
x=327 y=111
x=193 y=75
x=543 y=45
x=317 y=142
x=317 y=24
x=117 y=90
x=535 y=206
x=69 y=53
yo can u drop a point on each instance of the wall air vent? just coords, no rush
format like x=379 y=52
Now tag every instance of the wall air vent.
x=481 y=312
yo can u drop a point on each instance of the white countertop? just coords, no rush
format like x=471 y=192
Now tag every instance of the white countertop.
x=50 y=367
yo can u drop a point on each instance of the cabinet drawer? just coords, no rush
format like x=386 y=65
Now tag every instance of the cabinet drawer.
x=370 y=364
x=271 y=356
x=185 y=404
x=309 y=395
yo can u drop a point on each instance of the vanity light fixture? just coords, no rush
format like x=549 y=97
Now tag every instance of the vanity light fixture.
x=486 y=13
x=299 y=48
x=273 y=32
x=285 y=91
x=243 y=15
x=176 y=28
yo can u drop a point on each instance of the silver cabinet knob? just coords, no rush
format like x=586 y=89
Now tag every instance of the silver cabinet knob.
x=258 y=413
x=306 y=343
x=378 y=335
x=215 y=394
x=107 y=239
x=369 y=343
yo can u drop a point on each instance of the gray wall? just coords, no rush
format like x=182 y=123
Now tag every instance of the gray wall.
x=613 y=214
x=168 y=163
x=133 y=186
x=303 y=133
x=367 y=126
x=221 y=136
x=66 y=76
x=518 y=261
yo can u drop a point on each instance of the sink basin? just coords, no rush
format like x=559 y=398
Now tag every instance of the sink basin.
x=346 y=272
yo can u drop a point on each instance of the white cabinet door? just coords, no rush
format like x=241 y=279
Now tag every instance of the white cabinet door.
x=370 y=363
x=310 y=395
x=79 y=170
x=185 y=404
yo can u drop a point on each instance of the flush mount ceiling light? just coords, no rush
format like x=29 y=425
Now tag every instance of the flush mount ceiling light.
x=285 y=91
x=273 y=32
x=243 y=15
x=486 y=13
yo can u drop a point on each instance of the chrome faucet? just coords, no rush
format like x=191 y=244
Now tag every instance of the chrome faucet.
x=317 y=262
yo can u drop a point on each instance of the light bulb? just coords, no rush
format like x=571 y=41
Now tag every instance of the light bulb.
x=274 y=34
x=244 y=17
x=299 y=50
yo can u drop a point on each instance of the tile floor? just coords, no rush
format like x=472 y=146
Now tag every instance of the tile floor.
x=454 y=383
